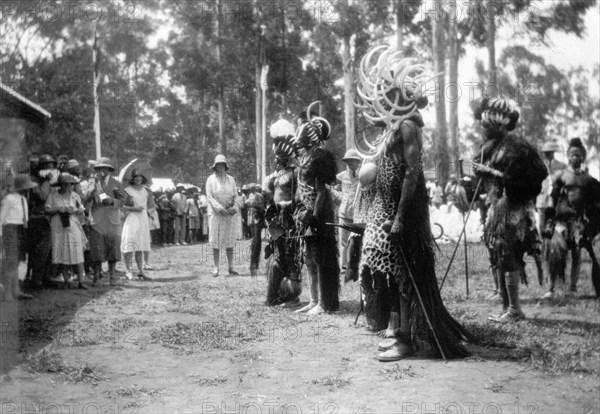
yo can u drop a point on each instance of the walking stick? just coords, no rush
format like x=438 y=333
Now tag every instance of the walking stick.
x=412 y=279
x=461 y=233
x=466 y=259
x=362 y=306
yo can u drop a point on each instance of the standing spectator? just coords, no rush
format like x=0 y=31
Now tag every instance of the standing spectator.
x=154 y=219
x=68 y=238
x=256 y=220
x=106 y=196
x=246 y=190
x=39 y=235
x=84 y=188
x=437 y=194
x=221 y=193
x=203 y=206
x=13 y=219
x=193 y=213
x=179 y=205
x=166 y=219
x=154 y=224
x=135 y=239
x=349 y=183
x=544 y=200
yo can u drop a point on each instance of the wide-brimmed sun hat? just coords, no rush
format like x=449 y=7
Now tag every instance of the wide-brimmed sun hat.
x=351 y=154
x=23 y=182
x=66 y=178
x=550 y=146
x=220 y=159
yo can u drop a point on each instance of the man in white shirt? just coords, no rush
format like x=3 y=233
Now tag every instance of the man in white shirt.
x=346 y=191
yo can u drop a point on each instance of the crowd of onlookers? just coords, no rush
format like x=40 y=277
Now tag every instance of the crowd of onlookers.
x=65 y=219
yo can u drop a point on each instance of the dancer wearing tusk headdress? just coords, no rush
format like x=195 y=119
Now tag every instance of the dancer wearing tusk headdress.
x=397 y=266
x=283 y=271
x=317 y=169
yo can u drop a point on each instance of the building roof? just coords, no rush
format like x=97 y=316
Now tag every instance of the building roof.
x=22 y=106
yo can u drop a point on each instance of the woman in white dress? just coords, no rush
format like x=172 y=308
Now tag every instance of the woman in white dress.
x=223 y=209
x=68 y=237
x=135 y=238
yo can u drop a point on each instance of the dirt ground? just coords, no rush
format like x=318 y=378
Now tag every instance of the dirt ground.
x=187 y=342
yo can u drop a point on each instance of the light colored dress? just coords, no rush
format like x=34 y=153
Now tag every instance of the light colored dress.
x=223 y=228
x=68 y=243
x=136 y=229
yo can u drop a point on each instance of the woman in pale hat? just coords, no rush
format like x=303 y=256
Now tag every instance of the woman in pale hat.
x=135 y=238
x=13 y=220
x=221 y=194
x=68 y=238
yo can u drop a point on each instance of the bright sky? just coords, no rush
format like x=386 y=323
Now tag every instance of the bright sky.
x=564 y=51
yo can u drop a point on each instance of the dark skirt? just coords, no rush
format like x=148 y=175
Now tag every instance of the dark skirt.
x=14 y=242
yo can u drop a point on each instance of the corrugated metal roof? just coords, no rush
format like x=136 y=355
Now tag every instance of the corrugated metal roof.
x=7 y=91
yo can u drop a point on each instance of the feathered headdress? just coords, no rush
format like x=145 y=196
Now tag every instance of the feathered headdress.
x=391 y=89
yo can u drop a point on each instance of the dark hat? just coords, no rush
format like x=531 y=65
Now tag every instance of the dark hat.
x=23 y=182
x=46 y=159
x=104 y=162
x=576 y=143
x=220 y=159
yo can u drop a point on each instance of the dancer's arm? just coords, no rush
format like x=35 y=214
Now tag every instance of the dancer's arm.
x=411 y=149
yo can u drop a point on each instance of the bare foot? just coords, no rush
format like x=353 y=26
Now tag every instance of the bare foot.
x=317 y=310
x=306 y=308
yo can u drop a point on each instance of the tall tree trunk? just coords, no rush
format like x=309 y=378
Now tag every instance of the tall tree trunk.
x=441 y=135
x=349 y=93
x=453 y=79
x=258 y=97
x=349 y=85
x=221 y=101
x=491 y=43
x=258 y=119
x=399 y=24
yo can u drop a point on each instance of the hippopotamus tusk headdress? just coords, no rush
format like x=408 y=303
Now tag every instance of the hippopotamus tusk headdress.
x=391 y=88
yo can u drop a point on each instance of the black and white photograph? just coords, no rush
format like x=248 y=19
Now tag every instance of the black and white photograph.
x=299 y=206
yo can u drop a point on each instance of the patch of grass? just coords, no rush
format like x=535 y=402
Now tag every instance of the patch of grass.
x=203 y=336
x=46 y=362
x=494 y=387
x=332 y=382
x=542 y=344
x=134 y=391
x=36 y=327
x=397 y=372
x=209 y=381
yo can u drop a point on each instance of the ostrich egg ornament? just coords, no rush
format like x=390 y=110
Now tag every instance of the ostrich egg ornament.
x=367 y=174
